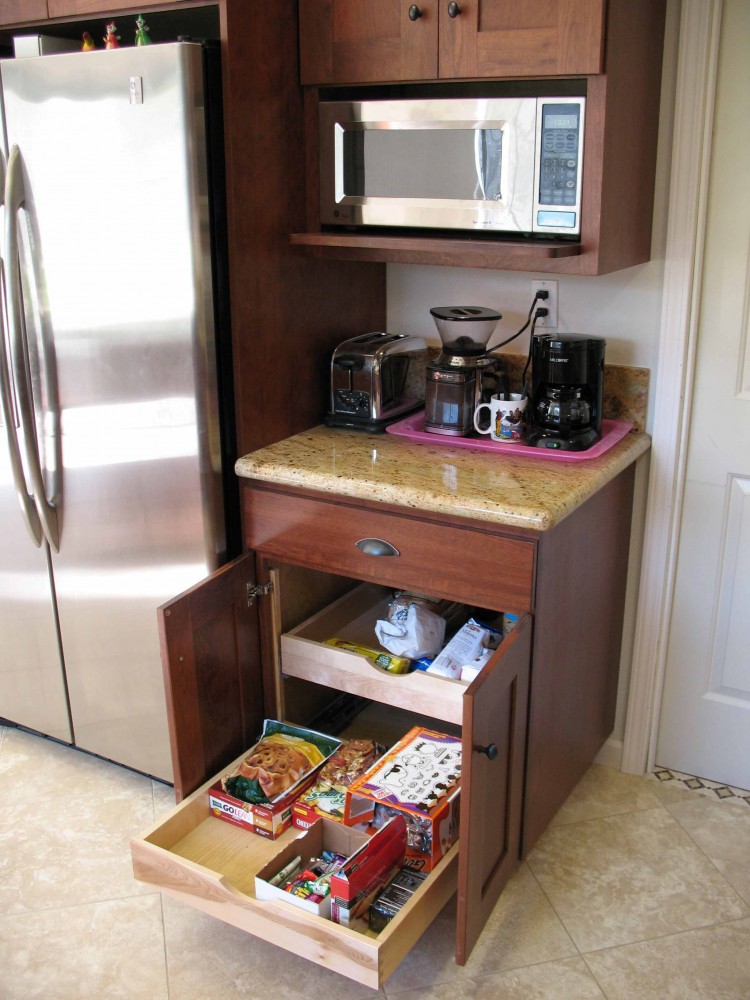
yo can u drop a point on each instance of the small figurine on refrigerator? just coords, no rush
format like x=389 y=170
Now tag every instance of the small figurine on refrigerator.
x=111 y=39
x=88 y=43
x=141 y=32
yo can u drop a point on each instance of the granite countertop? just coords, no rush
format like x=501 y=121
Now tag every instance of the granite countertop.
x=525 y=492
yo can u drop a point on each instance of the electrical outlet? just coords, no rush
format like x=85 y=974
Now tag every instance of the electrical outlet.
x=548 y=322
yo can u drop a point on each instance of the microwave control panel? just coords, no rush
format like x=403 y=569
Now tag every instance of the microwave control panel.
x=558 y=187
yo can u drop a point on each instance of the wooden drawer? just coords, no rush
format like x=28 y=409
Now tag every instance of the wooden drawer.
x=210 y=864
x=352 y=617
x=464 y=564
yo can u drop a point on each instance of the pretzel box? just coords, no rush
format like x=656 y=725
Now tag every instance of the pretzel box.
x=258 y=794
x=420 y=779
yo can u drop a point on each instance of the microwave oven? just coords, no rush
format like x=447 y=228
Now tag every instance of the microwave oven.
x=501 y=164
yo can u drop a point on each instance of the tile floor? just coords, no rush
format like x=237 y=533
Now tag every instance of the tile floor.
x=640 y=890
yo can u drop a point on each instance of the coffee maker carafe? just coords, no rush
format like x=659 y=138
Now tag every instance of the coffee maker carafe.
x=566 y=394
x=463 y=375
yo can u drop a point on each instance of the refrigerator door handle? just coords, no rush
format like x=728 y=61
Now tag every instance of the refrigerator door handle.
x=15 y=197
x=25 y=500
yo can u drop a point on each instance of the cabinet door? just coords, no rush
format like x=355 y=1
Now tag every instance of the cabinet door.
x=212 y=674
x=367 y=41
x=494 y=737
x=64 y=8
x=498 y=38
x=19 y=11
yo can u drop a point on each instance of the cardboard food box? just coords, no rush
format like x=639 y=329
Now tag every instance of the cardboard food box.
x=419 y=778
x=370 y=865
x=246 y=796
x=326 y=799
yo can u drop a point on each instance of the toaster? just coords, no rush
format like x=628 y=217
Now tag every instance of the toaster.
x=368 y=380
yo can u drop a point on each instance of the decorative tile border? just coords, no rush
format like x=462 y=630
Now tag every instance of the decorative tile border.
x=712 y=789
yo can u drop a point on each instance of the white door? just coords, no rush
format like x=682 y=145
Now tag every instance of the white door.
x=704 y=727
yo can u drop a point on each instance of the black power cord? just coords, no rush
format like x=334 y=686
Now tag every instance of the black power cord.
x=541 y=296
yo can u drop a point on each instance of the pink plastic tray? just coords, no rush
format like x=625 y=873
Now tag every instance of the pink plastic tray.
x=413 y=428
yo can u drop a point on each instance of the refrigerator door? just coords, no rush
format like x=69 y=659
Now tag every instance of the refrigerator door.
x=115 y=251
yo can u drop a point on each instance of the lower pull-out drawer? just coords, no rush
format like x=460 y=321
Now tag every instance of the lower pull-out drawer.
x=211 y=865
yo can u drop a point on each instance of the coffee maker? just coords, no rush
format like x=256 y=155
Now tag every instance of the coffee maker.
x=463 y=375
x=566 y=393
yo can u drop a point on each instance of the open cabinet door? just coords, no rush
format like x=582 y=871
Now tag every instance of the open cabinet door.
x=212 y=674
x=494 y=738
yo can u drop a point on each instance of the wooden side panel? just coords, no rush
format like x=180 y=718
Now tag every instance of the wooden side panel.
x=494 y=38
x=212 y=674
x=492 y=787
x=367 y=41
x=288 y=311
x=583 y=565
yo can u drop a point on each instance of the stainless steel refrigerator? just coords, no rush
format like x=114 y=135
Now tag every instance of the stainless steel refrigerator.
x=114 y=430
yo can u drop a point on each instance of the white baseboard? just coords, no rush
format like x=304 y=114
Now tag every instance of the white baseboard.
x=610 y=754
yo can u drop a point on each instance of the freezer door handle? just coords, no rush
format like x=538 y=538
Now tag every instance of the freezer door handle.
x=25 y=500
x=15 y=198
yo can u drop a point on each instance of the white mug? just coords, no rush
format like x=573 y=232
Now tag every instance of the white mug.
x=507 y=417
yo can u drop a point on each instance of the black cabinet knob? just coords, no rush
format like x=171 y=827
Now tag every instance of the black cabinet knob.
x=490 y=751
x=414 y=13
x=453 y=9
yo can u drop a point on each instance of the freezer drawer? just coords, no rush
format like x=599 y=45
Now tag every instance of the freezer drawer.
x=210 y=864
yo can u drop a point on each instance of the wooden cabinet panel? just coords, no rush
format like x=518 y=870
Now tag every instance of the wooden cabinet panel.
x=499 y=38
x=20 y=11
x=361 y=41
x=494 y=739
x=68 y=8
x=461 y=564
x=212 y=674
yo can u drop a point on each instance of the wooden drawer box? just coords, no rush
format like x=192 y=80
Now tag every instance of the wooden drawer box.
x=211 y=865
x=353 y=617
x=463 y=564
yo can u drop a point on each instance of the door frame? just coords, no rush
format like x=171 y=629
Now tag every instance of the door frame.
x=698 y=52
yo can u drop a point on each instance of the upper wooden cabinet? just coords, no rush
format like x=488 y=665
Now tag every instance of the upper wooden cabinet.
x=18 y=11
x=376 y=41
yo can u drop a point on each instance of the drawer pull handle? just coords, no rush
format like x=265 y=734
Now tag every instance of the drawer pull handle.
x=490 y=751
x=376 y=547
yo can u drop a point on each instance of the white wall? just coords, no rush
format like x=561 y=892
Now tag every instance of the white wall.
x=624 y=307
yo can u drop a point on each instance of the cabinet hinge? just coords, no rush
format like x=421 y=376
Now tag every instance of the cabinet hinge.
x=257 y=590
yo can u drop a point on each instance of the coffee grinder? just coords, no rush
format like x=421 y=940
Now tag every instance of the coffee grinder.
x=566 y=394
x=463 y=375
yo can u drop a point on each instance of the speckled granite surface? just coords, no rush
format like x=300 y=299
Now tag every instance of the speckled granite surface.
x=525 y=492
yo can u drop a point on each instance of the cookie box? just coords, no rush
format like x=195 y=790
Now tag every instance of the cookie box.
x=419 y=778
x=371 y=862
x=259 y=793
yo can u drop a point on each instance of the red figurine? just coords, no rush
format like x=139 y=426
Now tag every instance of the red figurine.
x=111 y=39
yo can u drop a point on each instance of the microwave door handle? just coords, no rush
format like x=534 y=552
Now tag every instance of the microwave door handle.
x=15 y=198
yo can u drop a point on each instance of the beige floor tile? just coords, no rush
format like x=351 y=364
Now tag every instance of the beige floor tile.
x=630 y=877
x=523 y=929
x=210 y=960
x=565 y=980
x=722 y=831
x=604 y=792
x=70 y=844
x=100 y=950
x=708 y=964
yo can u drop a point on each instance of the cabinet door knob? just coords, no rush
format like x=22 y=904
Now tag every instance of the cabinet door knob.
x=376 y=547
x=414 y=13
x=490 y=751
x=453 y=9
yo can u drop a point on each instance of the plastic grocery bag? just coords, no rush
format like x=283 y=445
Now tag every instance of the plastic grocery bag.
x=411 y=630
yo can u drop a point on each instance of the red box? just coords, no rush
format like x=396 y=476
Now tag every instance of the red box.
x=371 y=863
x=419 y=778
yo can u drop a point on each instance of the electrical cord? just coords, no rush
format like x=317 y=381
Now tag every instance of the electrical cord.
x=537 y=315
x=541 y=295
